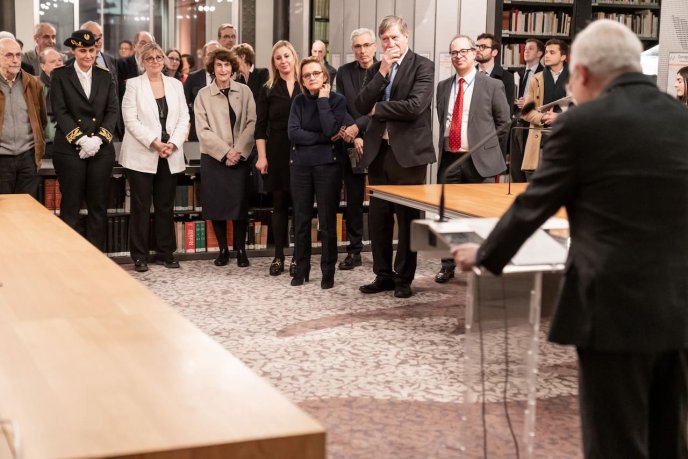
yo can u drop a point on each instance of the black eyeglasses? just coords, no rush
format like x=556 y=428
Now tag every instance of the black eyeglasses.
x=483 y=47
x=315 y=74
x=463 y=52
x=151 y=59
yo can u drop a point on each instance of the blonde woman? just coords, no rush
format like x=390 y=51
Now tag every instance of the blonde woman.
x=272 y=141
x=156 y=119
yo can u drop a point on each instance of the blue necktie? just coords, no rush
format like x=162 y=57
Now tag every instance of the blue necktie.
x=392 y=74
x=100 y=60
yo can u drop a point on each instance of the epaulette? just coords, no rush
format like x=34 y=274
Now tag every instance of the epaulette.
x=102 y=68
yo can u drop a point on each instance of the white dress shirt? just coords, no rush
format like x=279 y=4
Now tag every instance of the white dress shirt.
x=85 y=78
x=467 y=97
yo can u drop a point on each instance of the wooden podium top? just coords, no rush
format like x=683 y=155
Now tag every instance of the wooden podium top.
x=484 y=200
x=92 y=364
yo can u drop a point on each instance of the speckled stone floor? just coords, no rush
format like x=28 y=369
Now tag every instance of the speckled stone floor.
x=383 y=375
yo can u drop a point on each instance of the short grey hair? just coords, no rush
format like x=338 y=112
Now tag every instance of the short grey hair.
x=390 y=21
x=606 y=47
x=362 y=31
x=456 y=37
x=43 y=55
x=6 y=34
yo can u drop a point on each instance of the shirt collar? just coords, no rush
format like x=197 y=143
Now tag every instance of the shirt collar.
x=81 y=73
x=469 y=77
x=534 y=68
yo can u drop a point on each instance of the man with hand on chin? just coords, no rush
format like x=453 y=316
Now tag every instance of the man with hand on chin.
x=397 y=149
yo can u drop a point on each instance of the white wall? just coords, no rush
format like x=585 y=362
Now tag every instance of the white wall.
x=673 y=38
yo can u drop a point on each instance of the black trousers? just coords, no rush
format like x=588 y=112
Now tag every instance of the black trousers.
x=386 y=170
x=355 y=189
x=634 y=405
x=466 y=173
x=518 y=138
x=323 y=183
x=161 y=188
x=18 y=174
x=87 y=179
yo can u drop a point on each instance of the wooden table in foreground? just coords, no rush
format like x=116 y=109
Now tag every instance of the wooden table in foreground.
x=94 y=365
x=485 y=200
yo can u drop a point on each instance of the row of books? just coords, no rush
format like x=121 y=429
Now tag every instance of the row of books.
x=198 y=236
x=644 y=23
x=625 y=2
x=547 y=23
x=512 y=54
x=187 y=197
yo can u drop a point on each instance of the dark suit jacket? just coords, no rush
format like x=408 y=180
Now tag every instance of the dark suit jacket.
x=623 y=178
x=522 y=84
x=76 y=115
x=488 y=112
x=332 y=71
x=126 y=68
x=256 y=79
x=194 y=83
x=349 y=83
x=407 y=116
x=507 y=78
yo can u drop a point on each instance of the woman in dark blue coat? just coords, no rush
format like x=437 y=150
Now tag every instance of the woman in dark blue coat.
x=315 y=120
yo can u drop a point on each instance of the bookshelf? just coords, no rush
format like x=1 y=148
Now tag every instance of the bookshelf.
x=518 y=20
x=641 y=16
x=194 y=235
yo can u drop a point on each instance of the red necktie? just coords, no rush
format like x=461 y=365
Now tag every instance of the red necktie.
x=455 y=129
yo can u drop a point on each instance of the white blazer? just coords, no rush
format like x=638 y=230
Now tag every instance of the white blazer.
x=142 y=124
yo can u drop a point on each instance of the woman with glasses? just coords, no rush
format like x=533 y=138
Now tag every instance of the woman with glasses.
x=272 y=141
x=86 y=109
x=314 y=122
x=156 y=119
x=681 y=85
x=225 y=122
x=174 y=64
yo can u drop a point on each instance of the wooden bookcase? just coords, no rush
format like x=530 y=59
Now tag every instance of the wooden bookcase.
x=518 y=20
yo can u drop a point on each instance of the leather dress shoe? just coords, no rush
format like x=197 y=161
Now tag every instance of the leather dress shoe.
x=223 y=258
x=292 y=268
x=403 y=290
x=170 y=263
x=242 y=258
x=140 y=266
x=444 y=275
x=380 y=284
x=350 y=262
x=327 y=281
x=277 y=266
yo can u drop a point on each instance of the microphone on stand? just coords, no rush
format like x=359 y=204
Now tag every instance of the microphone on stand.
x=496 y=133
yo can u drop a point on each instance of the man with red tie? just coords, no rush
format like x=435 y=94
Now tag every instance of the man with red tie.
x=470 y=107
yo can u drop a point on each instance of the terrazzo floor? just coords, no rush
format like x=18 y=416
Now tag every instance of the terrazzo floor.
x=383 y=375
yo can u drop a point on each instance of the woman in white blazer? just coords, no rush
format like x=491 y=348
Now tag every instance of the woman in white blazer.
x=225 y=123
x=156 y=120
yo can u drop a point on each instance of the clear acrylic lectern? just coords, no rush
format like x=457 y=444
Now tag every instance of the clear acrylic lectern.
x=502 y=332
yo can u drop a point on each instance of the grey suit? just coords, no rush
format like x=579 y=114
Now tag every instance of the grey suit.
x=488 y=112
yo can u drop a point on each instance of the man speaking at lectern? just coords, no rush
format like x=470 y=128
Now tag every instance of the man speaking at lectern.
x=619 y=164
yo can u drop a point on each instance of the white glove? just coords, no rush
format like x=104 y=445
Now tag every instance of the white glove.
x=83 y=142
x=89 y=146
